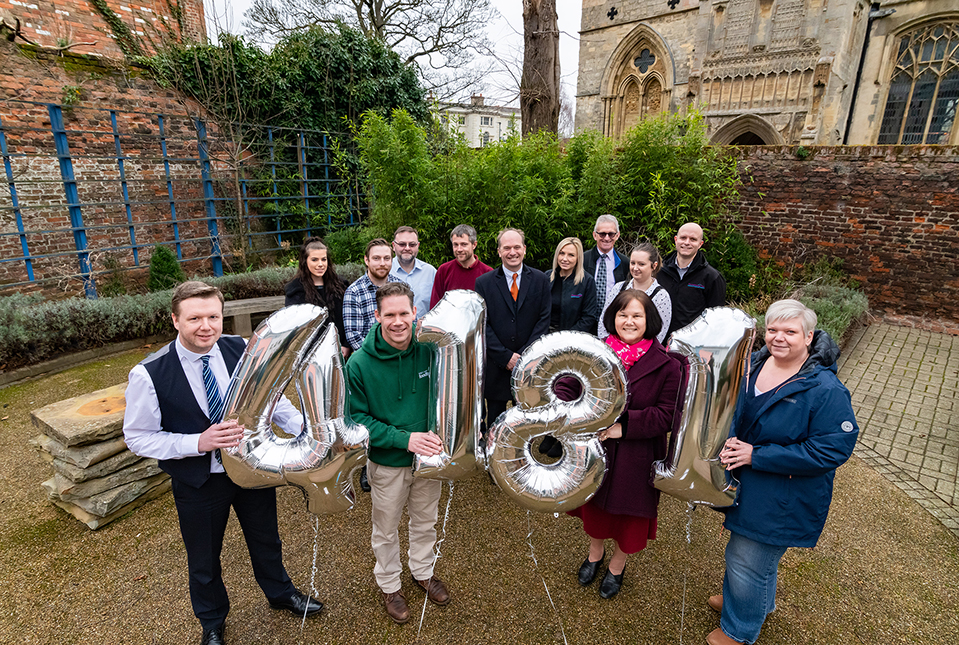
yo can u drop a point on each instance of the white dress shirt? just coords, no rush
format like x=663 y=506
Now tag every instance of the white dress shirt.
x=141 y=420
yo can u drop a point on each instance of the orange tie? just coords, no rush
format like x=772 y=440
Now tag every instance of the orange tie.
x=514 y=289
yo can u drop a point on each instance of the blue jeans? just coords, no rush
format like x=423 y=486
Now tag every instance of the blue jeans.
x=749 y=587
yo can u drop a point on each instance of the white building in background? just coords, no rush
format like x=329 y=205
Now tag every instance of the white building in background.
x=479 y=123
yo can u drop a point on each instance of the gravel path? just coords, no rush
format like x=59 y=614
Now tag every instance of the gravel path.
x=885 y=571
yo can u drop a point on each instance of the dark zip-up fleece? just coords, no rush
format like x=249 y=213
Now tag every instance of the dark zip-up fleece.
x=390 y=394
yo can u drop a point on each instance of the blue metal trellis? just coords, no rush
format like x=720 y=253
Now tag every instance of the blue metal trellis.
x=208 y=198
x=73 y=197
x=16 y=203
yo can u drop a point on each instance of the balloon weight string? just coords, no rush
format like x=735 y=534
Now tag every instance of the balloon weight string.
x=316 y=551
x=436 y=555
x=532 y=554
x=689 y=540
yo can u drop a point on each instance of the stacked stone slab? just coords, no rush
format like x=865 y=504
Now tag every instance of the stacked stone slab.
x=95 y=477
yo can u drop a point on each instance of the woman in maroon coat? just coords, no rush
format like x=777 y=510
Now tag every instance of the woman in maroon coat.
x=624 y=508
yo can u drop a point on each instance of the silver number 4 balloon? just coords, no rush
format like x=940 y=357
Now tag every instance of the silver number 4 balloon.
x=288 y=347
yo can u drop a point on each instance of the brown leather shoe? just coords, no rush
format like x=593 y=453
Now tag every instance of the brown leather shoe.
x=718 y=637
x=716 y=603
x=436 y=590
x=396 y=606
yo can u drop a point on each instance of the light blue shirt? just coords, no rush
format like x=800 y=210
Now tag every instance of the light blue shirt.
x=420 y=280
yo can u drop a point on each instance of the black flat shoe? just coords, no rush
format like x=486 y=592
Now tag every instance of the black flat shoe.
x=587 y=572
x=298 y=603
x=610 y=585
x=213 y=636
x=364 y=482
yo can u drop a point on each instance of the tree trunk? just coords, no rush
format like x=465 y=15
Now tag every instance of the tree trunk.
x=539 y=88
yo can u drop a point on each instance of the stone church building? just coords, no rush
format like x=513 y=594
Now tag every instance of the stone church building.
x=815 y=72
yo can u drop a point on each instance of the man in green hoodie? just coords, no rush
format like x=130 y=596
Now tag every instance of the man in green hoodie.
x=390 y=377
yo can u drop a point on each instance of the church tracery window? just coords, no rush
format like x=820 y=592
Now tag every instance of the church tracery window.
x=924 y=90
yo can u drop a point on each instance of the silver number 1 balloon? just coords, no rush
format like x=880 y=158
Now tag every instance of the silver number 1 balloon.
x=717 y=346
x=455 y=328
x=320 y=460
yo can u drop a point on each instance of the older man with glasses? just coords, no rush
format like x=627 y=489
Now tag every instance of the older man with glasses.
x=607 y=265
x=407 y=268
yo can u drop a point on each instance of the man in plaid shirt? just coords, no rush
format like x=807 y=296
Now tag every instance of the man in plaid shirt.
x=359 y=301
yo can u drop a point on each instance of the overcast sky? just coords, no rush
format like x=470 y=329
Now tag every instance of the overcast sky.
x=506 y=34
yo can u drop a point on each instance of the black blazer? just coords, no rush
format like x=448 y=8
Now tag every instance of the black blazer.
x=511 y=326
x=578 y=307
x=620 y=271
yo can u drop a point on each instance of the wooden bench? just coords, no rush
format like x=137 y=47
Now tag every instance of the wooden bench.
x=240 y=310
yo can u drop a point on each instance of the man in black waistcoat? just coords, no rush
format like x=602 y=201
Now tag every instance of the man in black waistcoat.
x=174 y=401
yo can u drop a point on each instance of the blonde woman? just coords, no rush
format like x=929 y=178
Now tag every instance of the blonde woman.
x=575 y=306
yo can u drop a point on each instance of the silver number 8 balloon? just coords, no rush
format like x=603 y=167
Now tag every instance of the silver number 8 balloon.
x=571 y=481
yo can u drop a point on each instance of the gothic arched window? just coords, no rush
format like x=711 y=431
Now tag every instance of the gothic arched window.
x=924 y=90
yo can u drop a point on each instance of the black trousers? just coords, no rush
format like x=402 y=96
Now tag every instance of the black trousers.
x=494 y=408
x=203 y=514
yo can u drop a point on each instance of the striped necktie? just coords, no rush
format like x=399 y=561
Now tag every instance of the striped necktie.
x=213 y=400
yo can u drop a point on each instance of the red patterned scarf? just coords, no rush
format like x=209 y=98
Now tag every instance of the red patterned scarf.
x=629 y=354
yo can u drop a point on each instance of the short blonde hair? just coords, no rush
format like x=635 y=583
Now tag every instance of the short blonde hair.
x=790 y=310
x=578 y=272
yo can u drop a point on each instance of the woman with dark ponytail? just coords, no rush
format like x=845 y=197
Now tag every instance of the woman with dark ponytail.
x=316 y=283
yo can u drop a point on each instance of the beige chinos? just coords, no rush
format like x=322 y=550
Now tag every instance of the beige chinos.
x=393 y=488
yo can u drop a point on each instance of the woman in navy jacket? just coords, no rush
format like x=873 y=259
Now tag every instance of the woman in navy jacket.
x=793 y=426
x=624 y=508
x=574 y=305
x=574 y=291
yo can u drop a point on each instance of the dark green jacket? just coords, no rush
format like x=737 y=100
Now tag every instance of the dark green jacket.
x=390 y=395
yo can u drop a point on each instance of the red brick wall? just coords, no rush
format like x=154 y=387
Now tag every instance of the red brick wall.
x=890 y=212
x=49 y=24
x=33 y=75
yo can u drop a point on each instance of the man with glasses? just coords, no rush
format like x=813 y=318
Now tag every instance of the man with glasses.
x=416 y=273
x=607 y=265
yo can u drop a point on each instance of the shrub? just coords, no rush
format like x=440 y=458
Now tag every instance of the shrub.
x=662 y=174
x=825 y=289
x=165 y=270
x=32 y=330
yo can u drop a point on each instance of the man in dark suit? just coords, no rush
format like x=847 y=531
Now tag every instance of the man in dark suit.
x=604 y=262
x=518 y=305
x=174 y=403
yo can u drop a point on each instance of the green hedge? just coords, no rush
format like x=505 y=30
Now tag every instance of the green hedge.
x=661 y=174
x=33 y=330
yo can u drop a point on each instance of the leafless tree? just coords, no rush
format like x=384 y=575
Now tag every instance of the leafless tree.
x=444 y=38
x=539 y=89
x=567 y=113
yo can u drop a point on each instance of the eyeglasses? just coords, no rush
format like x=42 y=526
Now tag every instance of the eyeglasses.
x=605 y=234
x=403 y=245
